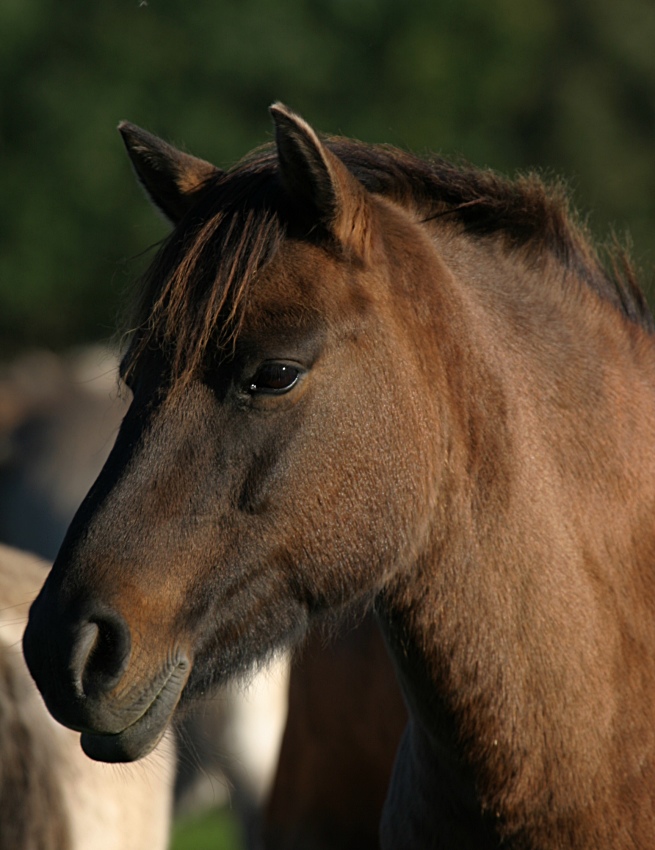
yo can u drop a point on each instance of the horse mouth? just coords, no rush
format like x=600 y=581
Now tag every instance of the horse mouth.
x=143 y=734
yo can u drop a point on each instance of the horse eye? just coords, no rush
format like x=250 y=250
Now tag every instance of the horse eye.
x=274 y=379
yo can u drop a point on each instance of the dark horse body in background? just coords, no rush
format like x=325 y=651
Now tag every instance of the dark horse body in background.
x=363 y=378
x=345 y=719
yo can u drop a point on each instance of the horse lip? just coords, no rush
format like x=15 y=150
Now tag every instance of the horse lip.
x=143 y=734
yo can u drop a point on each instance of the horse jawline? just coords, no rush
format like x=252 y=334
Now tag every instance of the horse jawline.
x=142 y=736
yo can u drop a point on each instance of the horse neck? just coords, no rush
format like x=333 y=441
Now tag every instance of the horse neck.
x=516 y=630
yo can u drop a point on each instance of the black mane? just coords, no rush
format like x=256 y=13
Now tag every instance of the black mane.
x=198 y=283
x=526 y=211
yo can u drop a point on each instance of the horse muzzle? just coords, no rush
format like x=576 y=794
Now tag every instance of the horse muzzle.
x=143 y=734
x=91 y=679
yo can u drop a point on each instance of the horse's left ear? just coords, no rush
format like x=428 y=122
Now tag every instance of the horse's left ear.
x=320 y=182
x=171 y=179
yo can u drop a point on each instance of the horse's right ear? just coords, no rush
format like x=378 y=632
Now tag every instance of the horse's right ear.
x=320 y=182
x=172 y=179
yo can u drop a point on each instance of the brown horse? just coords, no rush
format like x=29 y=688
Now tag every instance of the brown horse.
x=363 y=377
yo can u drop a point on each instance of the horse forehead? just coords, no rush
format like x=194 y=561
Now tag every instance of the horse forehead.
x=298 y=265
x=305 y=277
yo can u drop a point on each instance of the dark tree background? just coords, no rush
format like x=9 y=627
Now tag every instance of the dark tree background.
x=566 y=86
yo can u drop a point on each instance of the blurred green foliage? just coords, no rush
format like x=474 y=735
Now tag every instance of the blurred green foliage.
x=213 y=830
x=567 y=86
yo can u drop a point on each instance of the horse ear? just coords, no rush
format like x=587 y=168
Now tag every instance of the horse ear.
x=172 y=179
x=319 y=181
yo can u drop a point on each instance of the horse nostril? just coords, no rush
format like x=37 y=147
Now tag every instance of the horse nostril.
x=102 y=652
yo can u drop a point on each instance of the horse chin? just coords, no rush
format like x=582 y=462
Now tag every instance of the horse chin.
x=132 y=744
x=142 y=736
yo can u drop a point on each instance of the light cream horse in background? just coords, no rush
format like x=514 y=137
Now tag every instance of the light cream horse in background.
x=52 y=797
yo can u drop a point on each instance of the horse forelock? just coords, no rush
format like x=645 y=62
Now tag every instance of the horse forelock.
x=195 y=291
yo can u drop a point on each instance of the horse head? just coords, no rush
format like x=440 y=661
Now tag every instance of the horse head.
x=276 y=461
